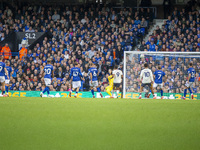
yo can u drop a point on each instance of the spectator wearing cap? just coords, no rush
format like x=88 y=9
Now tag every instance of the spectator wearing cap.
x=6 y=52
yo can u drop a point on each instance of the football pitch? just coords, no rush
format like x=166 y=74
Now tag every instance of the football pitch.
x=99 y=124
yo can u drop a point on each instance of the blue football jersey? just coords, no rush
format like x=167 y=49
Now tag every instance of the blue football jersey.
x=2 y=67
x=94 y=72
x=192 y=72
x=152 y=47
x=48 y=69
x=76 y=74
x=9 y=69
x=158 y=76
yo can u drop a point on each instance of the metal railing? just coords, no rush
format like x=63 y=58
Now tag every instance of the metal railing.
x=15 y=53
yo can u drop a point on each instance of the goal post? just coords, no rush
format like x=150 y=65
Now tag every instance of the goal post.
x=175 y=66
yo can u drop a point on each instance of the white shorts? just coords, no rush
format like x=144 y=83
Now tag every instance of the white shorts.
x=2 y=79
x=189 y=84
x=7 y=81
x=76 y=84
x=158 y=85
x=94 y=83
x=47 y=81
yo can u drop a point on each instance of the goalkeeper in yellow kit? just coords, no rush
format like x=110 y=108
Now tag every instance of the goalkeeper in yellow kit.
x=110 y=87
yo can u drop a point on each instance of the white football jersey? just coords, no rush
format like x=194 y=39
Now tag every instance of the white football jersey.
x=118 y=76
x=146 y=76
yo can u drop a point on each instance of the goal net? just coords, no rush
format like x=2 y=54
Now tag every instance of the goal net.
x=175 y=66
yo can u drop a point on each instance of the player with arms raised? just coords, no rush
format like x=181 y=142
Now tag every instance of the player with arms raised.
x=47 y=73
x=146 y=79
x=117 y=75
x=3 y=72
x=93 y=72
x=158 y=76
x=189 y=83
x=75 y=76
x=10 y=72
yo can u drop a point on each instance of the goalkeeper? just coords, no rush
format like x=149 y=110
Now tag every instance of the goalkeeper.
x=110 y=87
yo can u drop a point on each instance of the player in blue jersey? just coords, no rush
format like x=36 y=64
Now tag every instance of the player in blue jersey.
x=47 y=73
x=3 y=72
x=189 y=83
x=10 y=72
x=93 y=73
x=75 y=76
x=158 y=82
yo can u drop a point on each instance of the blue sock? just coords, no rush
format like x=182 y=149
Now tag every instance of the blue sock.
x=47 y=90
x=3 y=92
x=185 y=92
x=98 y=89
x=190 y=90
x=6 y=88
x=161 y=91
x=92 y=92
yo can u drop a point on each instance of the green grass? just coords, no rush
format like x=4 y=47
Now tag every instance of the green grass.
x=98 y=124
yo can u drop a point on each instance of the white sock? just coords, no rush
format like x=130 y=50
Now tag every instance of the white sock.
x=117 y=92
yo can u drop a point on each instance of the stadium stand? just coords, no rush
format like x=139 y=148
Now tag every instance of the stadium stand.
x=88 y=35
x=179 y=33
x=96 y=34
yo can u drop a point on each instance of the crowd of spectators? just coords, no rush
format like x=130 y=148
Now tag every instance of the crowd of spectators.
x=179 y=33
x=174 y=66
x=95 y=34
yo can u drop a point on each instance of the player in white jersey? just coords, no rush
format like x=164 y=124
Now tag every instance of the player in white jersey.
x=117 y=75
x=146 y=79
